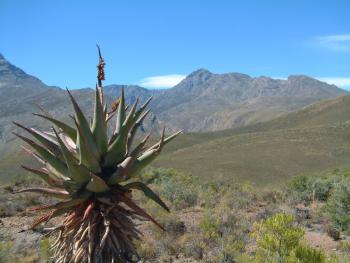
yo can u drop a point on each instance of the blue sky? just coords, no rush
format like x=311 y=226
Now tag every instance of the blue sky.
x=155 y=43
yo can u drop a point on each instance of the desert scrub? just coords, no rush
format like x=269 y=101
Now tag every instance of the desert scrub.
x=338 y=206
x=178 y=188
x=224 y=231
x=167 y=243
x=5 y=247
x=231 y=194
x=279 y=239
x=308 y=188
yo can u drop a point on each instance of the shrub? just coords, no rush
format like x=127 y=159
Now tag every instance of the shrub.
x=278 y=235
x=344 y=246
x=45 y=251
x=279 y=240
x=338 y=207
x=305 y=254
x=5 y=247
x=299 y=189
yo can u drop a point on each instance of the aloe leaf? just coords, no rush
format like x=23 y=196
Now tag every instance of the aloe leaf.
x=84 y=128
x=130 y=117
x=117 y=150
x=99 y=125
x=58 y=193
x=86 y=157
x=71 y=132
x=142 y=108
x=148 y=192
x=44 y=175
x=135 y=127
x=121 y=113
x=72 y=186
x=97 y=184
x=123 y=168
x=166 y=140
x=56 y=163
x=141 y=162
x=71 y=203
x=139 y=210
x=76 y=172
x=36 y=156
x=52 y=214
x=44 y=139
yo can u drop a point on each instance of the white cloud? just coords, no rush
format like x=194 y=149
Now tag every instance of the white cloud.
x=340 y=82
x=164 y=81
x=339 y=43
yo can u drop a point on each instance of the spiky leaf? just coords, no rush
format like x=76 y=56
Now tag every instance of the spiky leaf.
x=77 y=172
x=148 y=192
x=86 y=157
x=99 y=125
x=84 y=129
x=56 y=163
x=71 y=132
x=121 y=113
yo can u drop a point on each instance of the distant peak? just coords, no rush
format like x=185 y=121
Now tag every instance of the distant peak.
x=200 y=72
x=238 y=75
x=299 y=77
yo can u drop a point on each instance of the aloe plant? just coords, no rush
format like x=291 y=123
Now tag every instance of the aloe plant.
x=93 y=175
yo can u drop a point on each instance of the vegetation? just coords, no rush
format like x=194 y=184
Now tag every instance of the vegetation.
x=91 y=174
x=279 y=240
x=228 y=221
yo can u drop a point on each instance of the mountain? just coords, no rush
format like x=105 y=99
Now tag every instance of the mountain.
x=259 y=146
x=207 y=102
x=131 y=92
x=307 y=141
x=20 y=93
x=201 y=102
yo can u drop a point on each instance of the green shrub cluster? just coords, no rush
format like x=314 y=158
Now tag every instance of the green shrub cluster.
x=280 y=240
x=333 y=189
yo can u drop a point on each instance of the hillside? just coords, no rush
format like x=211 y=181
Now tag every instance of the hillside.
x=313 y=139
x=329 y=112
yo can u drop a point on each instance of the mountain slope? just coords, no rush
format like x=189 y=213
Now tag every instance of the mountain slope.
x=324 y=113
x=207 y=102
x=307 y=141
x=202 y=102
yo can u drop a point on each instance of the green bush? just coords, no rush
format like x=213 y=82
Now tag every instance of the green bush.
x=303 y=188
x=299 y=189
x=5 y=247
x=277 y=235
x=224 y=232
x=305 y=254
x=338 y=207
x=279 y=240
